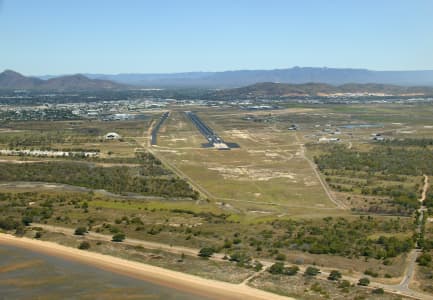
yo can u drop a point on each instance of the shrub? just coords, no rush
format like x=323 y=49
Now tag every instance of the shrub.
x=334 y=275
x=27 y=220
x=344 y=284
x=281 y=257
x=424 y=259
x=258 y=266
x=293 y=270
x=311 y=271
x=364 y=281
x=277 y=268
x=378 y=291
x=118 y=237
x=241 y=258
x=80 y=231
x=371 y=273
x=206 y=252
x=84 y=245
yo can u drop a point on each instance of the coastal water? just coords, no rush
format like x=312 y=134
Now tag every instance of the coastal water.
x=30 y=275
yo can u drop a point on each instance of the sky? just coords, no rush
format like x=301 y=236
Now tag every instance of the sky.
x=157 y=36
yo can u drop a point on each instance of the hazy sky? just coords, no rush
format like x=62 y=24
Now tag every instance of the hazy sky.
x=125 y=36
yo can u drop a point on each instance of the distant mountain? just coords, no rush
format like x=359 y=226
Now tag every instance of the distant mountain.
x=220 y=80
x=13 y=80
x=296 y=75
x=284 y=90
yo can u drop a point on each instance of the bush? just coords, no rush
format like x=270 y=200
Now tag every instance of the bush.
x=277 y=268
x=38 y=235
x=118 y=237
x=258 y=266
x=84 y=245
x=206 y=252
x=378 y=291
x=27 y=220
x=364 y=281
x=281 y=257
x=334 y=275
x=20 y=230
x=80 y=231
x=291 y=271
x=344 y=284
x=371 y=273
x=241 y=258
x=311 y=271
x=8 y=223
x=424 y=259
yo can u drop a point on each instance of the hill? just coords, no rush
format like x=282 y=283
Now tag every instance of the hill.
x=283 y=90
x=13 y=80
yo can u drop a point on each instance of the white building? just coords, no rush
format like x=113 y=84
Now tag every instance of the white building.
x=112 y=136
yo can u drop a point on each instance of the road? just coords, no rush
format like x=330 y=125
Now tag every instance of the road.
x=410 y=270
x=403 y=286
x=316 y=172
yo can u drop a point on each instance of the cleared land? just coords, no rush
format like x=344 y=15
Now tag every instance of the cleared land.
x=268 y=168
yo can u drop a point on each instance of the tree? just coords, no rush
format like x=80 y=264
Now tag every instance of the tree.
x=206 y=252
x=344 y=284
x=378 y=291
x=280 y=256
x=80 y=231
x=20 y=230
x=293 y=270
x=182 y=257
x=424 y=259
x=277 y=268
x=84 y=245
x=240 y=257
x=27 y=220
x=118 y=237
x=364 y=281
x=8 y=223
x=312 y=271
x=334 y=275
x=258 y=266
x=38 y=235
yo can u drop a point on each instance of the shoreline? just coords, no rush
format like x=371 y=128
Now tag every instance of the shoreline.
x=208 y=288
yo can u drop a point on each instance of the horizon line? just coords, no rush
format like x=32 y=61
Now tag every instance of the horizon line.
x=222 y=71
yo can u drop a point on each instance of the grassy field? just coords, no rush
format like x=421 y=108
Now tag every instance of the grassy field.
x=267 y=168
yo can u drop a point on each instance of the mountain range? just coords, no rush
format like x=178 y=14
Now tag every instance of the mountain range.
x=13 y=80
x=266 y=90
x=241 y=84
x=296 y=75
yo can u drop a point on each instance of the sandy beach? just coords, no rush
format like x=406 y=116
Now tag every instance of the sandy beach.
x=192 y=284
